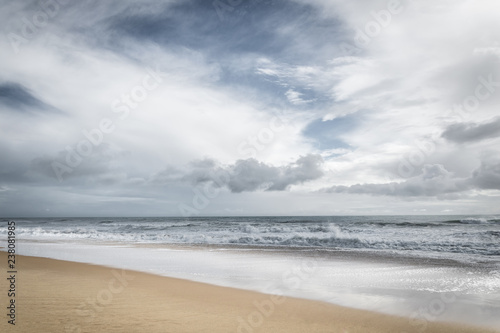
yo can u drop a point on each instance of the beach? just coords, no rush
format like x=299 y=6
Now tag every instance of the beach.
x=63 y=296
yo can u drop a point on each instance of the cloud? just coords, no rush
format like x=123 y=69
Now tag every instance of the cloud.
x=251 y=175
x=247 y=175
x=4 y=188
x=295 y=97
x=487 y=176
x=435 y=180
x=18 y=97
x=472 y=132
x=259 y=28
x=223 y=82
x=101 y=166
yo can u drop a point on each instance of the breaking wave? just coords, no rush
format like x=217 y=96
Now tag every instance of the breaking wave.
x=469 y=235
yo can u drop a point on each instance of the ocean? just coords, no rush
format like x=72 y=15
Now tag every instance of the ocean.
x=402 y=265
x=471 y=239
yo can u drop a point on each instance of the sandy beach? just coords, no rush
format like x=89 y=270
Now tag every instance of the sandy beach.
x=62 y=296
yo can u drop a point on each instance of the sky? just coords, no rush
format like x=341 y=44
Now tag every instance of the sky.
x=249 y=107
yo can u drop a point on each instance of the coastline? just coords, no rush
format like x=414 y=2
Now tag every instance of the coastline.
x=64 y=296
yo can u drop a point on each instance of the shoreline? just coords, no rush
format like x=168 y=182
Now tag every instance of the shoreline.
x=64 y=296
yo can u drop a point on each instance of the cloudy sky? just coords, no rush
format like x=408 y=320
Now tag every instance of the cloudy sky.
x=249 y=107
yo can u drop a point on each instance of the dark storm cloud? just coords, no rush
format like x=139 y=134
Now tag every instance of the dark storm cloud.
x=100 y=166
x=242 y=176
x=292 y=33
x=265 y=27
x=247 y=175
x=471 y=132
x=487 y=176
x=435 y=181
x=12 y=165
x=250 y=175
x=18 y=97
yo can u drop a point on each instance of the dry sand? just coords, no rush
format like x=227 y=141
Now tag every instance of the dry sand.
x=61 y=296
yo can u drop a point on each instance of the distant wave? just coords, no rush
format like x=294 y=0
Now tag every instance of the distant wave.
x=474 y=220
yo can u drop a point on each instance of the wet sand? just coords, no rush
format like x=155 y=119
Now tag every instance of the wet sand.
x=62 y=296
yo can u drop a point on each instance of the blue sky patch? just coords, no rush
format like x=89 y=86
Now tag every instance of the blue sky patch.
x=328 y=134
